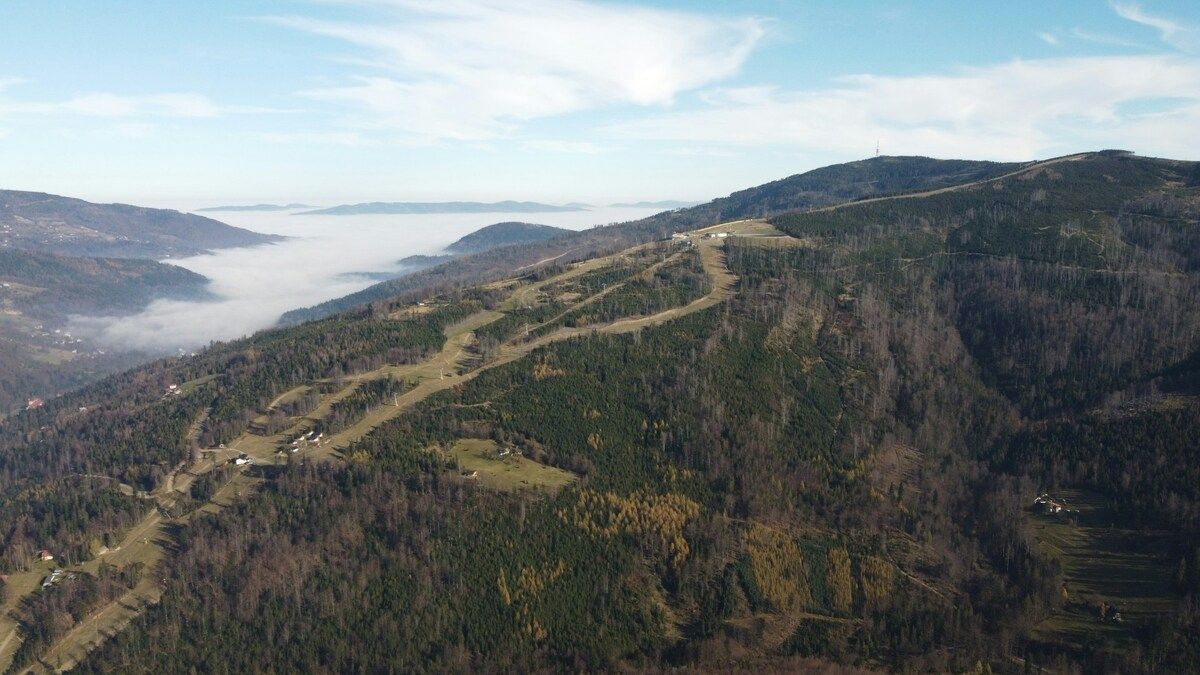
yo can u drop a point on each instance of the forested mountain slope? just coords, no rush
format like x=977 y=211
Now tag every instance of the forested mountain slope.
x=35 y=221
x=61 y=256
x=53 y=286
x=819 y=187
x=39 y=292
x=810 y=441
x=503 y=234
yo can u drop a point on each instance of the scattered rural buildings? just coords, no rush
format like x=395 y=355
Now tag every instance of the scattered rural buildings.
x=45 y=555
x=52 y=578
x=1047 y=504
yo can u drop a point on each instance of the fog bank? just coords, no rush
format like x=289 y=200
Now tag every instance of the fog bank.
x=327 y=257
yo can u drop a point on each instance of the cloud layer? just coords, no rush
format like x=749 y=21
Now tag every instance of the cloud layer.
x=327 y=257
x=476 y=69
x=1016 y=110
x=1170 y=32
x=110 y=105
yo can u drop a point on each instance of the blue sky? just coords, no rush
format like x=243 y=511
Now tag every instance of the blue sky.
x=191 y=103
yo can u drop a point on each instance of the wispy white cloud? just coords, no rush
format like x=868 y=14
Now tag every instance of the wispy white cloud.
x=478 y=69
x=1060 y=38
x=123 y=106
x=114 y=105
x=1015 y=110
x=1105 y=39
x=1170 y=32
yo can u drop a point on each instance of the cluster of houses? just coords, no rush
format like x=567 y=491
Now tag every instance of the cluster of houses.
x=685 y=238
x=241 y=459
x=58 y=338
x=501 y=452
x=1047 y=504
x=52 y=578
x=681 y=238
x=304 y=440
x=57 y=575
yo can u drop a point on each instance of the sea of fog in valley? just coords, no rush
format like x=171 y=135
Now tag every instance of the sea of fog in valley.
x=326 y=257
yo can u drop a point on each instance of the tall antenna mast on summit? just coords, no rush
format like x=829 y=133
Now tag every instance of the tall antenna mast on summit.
x=876 y=148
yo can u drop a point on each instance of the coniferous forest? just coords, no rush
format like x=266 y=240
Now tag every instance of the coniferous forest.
x=954 y=431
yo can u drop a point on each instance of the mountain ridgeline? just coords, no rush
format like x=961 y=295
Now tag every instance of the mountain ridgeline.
x=256 y=207
x=944 y=418
x=34 y=221
x=820 y=187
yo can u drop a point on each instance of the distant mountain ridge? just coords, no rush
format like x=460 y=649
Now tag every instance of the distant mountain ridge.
x=256 y=207
x=36 y=221
x=662 y=204
x=399 y=208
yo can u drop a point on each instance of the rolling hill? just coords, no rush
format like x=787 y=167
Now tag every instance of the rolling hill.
x=490 y=237
x=503 y=234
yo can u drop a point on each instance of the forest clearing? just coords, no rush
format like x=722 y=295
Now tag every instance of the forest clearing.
x=1109 y=567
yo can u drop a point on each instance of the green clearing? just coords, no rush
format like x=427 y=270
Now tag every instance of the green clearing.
x=512 y=472
x=1104 y=561
x=188 y=387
